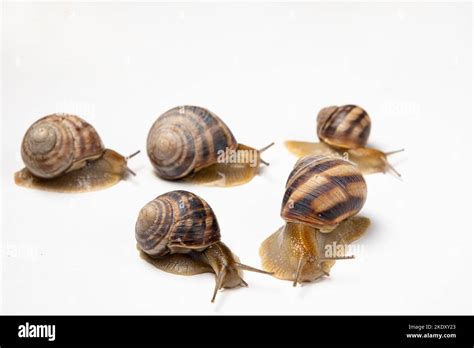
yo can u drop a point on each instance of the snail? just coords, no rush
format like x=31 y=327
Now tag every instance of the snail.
x=344 y=132
x=64 y=153
x=178 y=233
x=322 y=198
x=194 y=144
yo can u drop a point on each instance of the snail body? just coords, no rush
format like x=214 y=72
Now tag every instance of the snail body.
x=344 y=131
x=64 y=153
x=323 y=195
x=301 y=253
x=191 y=143
x=178 y=233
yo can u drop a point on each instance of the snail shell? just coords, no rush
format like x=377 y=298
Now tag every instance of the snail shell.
x=323 y=191
x=345 y=127
x=186 y=139
x=176 y=222
x=57 y=144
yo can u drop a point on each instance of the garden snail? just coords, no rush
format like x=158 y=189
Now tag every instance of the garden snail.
x=344 y=131
x=64 y=153
x=178 y=233
x=193 y=143
x=322 y=196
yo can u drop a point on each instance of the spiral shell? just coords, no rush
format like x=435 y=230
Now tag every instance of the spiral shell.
x=56 y=144
x=185 y=139
x=176 y=222
x=345 y=127
x=323 y=191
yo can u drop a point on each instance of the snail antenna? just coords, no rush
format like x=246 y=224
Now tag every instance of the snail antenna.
x=133 y=154
x=321 y=260
x=394 y=152
x=325 y=273
x=251 y=269
x=389 y=166
x=243 y=283
x=131 y=171
x=127 y=158
x=219 y=281
x=298 y=272
x=266 y=147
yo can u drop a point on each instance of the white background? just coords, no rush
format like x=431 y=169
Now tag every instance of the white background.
x=265 y=69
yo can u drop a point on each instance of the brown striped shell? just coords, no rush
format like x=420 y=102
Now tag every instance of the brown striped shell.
x=185 y=139
x=56 y=144
x=176 y=222
x=346 y=127
x=322 y=191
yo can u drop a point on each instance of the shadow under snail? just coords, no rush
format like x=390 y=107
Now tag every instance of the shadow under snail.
x=344 y=131
x=178 y=233
x=194 y=144
x=322 y=197
x=64 y=153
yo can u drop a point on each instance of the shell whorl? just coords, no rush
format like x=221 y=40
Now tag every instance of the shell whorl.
x=55 y=143
x=322 y=191
x=346 y=127
x=177 y=221
x=185 y=139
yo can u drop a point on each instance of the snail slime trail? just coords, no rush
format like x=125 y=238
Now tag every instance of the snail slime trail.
x=193 y=144
x=178 y=233
x=344 y=132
